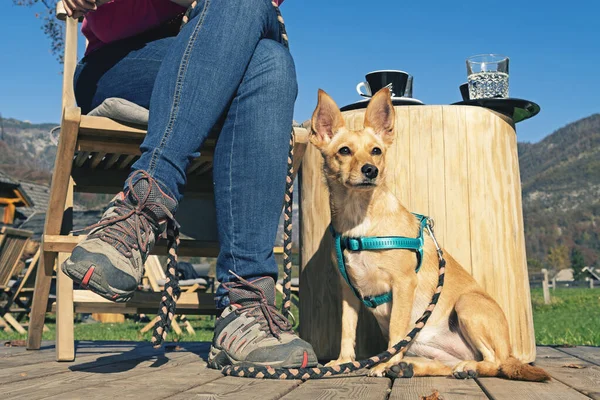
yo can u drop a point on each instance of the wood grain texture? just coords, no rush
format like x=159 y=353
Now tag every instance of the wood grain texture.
x=457 y=164
x=502 y=389
x=238 y=388
x=70 y=381
x=358 y=387
x=572 y=371
x=25 y=372
x=159 y=384
x=587 y=353
x=130 y=370
x=449 y=388
x=47 y=352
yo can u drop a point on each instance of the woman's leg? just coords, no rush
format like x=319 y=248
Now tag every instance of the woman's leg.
x=249 y=175
x=250 y=165
x=126 y=69
x=197 y=82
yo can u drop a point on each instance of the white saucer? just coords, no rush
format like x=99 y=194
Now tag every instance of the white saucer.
x=399 y=99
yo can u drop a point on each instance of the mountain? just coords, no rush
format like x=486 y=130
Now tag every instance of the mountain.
x=27 y=151
x=560 y=178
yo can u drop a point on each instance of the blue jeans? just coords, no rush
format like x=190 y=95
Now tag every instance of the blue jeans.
x=225 y=68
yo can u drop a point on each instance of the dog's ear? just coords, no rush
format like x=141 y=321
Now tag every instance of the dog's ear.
x=326 y=120
x=380 y=115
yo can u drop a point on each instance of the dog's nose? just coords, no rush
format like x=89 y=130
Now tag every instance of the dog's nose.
x=370 y=171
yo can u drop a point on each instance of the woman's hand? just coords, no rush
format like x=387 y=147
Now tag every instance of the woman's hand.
x=78 y=8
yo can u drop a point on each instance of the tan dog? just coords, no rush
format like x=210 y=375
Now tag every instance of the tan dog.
x=467 y=334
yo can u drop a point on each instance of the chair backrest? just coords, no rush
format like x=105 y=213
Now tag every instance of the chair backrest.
x=12 y=245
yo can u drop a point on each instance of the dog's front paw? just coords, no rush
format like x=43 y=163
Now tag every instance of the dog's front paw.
x=379 y=370
x=339 y=361
x=465 y=370
x=401 y=370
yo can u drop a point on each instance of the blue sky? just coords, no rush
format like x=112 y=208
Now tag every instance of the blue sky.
x=554 y=49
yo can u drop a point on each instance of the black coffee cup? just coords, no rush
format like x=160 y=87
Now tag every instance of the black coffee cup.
x=396 y=81
x=464 y=91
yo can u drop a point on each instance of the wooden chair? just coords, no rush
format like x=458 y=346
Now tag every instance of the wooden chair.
x=94 y=155
x=12 y=245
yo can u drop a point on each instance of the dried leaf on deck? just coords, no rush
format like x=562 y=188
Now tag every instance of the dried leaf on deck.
x=433 y=396
x=15 y=343
x=575 y=366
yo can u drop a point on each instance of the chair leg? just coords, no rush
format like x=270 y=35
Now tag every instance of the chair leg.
x=188 y=326
x=175 y=326
x=149 y=325
x=40 y=299
x=54 y=220
x=15 y=324
x=4 y=325
x=65 y=340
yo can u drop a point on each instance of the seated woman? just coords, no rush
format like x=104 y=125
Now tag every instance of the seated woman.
x=228 y=68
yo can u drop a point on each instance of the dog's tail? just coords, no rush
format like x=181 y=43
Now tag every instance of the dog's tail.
x=516 y=370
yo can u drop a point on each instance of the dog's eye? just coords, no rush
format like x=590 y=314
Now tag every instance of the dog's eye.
x=344 y=151
x=376 y=151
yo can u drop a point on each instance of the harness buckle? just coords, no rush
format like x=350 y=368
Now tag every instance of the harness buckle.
x=353 y=244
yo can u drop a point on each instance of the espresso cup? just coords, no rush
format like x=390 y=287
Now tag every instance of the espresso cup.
x=396 y=81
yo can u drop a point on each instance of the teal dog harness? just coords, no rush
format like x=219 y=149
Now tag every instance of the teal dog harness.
x=378 y=243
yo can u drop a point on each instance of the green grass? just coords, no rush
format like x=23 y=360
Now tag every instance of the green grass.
x=573 y=318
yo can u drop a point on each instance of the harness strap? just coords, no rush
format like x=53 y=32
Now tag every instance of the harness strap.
x=377 y=243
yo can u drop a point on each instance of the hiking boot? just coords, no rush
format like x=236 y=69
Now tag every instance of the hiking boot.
x=251 y=331
x=110 y=261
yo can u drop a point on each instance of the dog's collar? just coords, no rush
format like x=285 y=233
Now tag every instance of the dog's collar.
x=378 y=243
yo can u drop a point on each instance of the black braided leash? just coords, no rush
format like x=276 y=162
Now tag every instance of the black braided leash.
x=171 y=291
x=170 y=294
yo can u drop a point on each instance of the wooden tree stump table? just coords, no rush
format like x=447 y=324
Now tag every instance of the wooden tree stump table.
x=457 y=164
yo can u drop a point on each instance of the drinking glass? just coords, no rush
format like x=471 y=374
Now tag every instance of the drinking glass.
x=487 y=76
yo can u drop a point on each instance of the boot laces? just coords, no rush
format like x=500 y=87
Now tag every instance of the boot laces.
x=134 y=223
x=267 y=315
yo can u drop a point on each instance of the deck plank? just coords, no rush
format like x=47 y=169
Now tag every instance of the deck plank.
x=71 y=381
x=584 y=378
x=503 y=389
x=36 y=370
x=239 y=388
x=588 y=353
x=12 y=351
x=158 y=384
x=81 y=350
x=448 y=387
x=130 y=370
x=355 y=387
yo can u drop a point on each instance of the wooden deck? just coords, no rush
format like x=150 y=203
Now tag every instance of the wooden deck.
x=129 y=370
